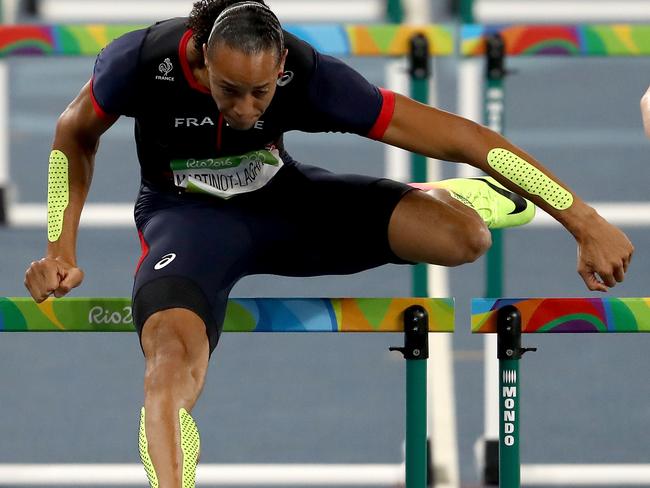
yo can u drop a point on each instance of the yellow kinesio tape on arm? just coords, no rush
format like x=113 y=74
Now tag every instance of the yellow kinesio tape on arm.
x=529 y=178
x=144 y=453
x=57 y=194
x=190 y=445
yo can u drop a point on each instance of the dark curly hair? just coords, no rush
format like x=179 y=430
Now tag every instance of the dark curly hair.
x=251 y=28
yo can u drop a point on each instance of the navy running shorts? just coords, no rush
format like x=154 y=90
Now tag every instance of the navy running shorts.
x=306 y=221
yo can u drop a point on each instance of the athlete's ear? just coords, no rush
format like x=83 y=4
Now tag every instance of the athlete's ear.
x=204 y=48
x=283 y=59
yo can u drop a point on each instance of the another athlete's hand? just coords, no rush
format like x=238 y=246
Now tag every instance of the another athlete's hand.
x=51 y=276
x=604 y=254
x=645 y=112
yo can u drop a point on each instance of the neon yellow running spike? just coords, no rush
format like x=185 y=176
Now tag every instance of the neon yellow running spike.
x=190 y=445
x=57 y=194
x=498 y=207
x=144 y=454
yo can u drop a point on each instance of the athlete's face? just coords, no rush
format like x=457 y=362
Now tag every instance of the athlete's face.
x=242 y=84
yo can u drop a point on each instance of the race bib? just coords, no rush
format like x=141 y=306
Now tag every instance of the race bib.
x=228 y=176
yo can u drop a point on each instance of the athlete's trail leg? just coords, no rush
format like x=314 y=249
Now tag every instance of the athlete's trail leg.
x=176 y=349
x=433 y=227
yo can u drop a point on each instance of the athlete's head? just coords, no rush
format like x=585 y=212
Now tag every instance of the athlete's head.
x=242 y=45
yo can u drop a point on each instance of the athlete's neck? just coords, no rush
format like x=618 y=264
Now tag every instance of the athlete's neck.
x=197 y=66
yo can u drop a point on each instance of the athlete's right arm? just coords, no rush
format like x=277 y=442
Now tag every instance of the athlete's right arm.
x=77 y=136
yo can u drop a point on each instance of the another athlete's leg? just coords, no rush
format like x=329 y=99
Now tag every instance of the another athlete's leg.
x=434 y=227
x=176 y=349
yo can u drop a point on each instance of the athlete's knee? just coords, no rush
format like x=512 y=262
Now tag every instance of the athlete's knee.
x=472 y=236
x=176 y=352
x=477 y=240
x=470 y=242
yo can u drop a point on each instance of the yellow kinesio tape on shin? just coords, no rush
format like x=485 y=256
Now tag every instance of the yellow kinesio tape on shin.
x=57 y=194
x=190 y=445
x=144 y=454
x=529 y=178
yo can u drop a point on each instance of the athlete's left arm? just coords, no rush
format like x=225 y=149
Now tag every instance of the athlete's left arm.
x=604 y=251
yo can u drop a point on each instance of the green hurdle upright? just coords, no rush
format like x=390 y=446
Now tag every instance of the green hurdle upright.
x=510 y=317
x=416 y=317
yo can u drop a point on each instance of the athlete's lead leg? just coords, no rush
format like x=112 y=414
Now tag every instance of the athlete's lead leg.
x=434 y=227
x=176 y=349
x=447 y=222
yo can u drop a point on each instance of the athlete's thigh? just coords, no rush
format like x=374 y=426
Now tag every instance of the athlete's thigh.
x=331 y=223
x=193 y=254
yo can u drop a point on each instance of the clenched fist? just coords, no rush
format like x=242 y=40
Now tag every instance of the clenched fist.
x=50 y=276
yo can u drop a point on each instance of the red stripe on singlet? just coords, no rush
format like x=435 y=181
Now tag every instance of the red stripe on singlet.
x=145 y=250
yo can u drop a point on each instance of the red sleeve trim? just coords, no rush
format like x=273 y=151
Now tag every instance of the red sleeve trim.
x=185 y=65
x=98 y=109
x=385 y=115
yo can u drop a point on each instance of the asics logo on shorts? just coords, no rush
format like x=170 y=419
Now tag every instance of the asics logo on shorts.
x=165 y=260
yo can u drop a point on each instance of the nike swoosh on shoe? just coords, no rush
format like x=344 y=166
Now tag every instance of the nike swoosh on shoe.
x=520 y=202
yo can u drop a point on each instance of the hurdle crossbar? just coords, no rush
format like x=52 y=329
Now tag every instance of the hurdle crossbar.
x=242 y=314
x=576 y=315
x=509 y=318
x=579 y=40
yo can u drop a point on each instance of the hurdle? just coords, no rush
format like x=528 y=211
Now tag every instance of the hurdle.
x=416 y=317
x=385 y=40
x=509 y=318
x=482 y=97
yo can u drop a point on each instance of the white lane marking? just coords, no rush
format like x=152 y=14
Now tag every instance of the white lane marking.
x=207 y=474
x=442 y=396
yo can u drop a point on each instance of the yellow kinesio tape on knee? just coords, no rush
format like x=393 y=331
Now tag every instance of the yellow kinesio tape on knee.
x=528 y=177
x=57 y=194
x=144 y=454
x=190 y=445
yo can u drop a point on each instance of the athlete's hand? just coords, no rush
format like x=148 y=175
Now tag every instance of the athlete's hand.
x=51 y=276
x=604 y=254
